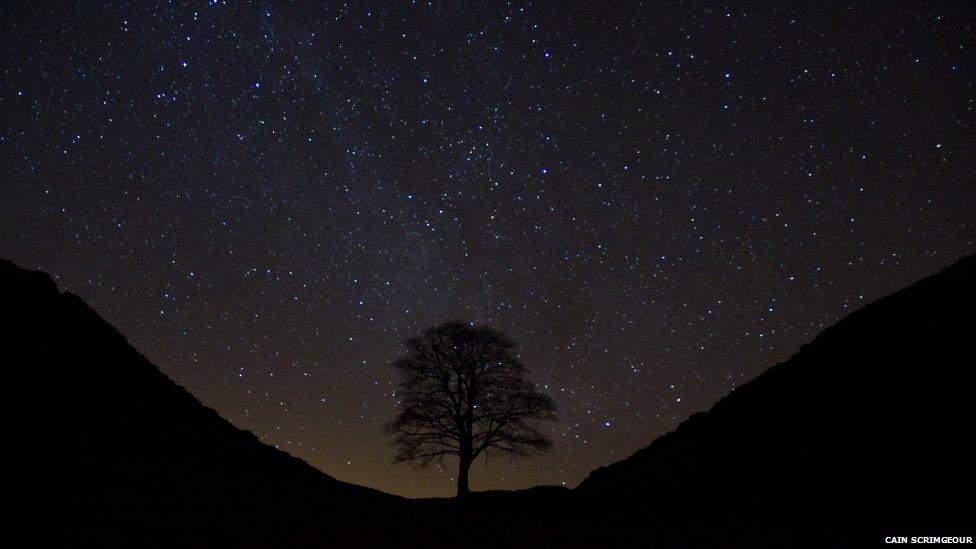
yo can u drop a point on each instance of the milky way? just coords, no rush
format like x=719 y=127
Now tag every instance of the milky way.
x=657 y=201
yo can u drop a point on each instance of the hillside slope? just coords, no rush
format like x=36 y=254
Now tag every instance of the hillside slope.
x=117 y=453
x=865 y=432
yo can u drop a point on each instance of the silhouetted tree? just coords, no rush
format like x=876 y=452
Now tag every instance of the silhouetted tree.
x=462 y=393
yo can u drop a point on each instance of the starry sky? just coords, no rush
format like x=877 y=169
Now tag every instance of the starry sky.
x=658 y=200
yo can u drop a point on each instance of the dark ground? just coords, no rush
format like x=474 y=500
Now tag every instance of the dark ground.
x=864 y=433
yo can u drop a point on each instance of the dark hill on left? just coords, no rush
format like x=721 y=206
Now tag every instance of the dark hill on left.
x=108 y=451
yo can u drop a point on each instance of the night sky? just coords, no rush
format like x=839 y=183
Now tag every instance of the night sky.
x=657 y=200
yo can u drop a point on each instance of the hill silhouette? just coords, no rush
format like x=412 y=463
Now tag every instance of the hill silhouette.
x=121 y=455
x=863 y=433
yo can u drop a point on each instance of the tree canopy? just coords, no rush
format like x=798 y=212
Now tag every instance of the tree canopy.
x=463 y=393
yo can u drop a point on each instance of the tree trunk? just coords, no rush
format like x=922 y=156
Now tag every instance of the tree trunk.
x=462 y=479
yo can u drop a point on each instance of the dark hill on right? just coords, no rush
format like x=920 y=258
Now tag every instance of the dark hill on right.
x=866 y=432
